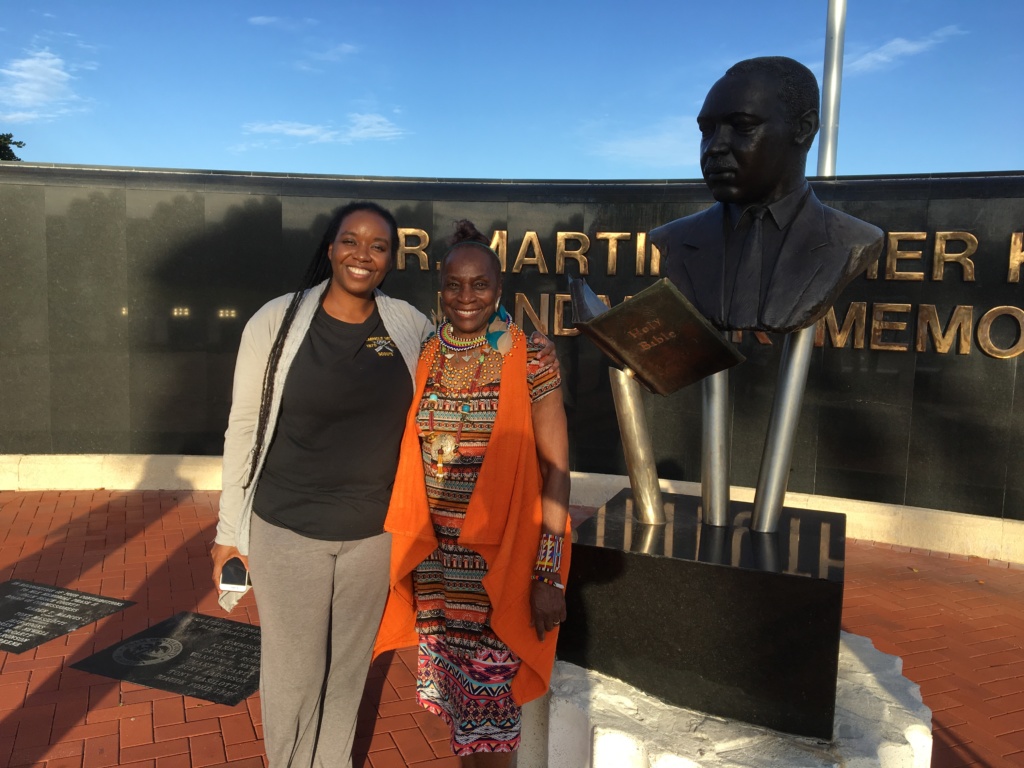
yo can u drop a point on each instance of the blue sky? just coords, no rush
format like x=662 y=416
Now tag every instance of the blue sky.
x=526 y=90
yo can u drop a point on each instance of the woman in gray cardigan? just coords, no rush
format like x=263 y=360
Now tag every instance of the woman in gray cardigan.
x=322 y=383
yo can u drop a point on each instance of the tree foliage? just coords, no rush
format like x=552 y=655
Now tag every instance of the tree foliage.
x=7 y=143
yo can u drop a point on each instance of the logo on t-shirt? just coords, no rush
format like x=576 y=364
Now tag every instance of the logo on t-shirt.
x=382 y=345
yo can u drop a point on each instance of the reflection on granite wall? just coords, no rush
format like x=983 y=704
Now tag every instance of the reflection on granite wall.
x=125 y=292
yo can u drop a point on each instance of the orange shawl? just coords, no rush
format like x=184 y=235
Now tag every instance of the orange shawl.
x=503 y=524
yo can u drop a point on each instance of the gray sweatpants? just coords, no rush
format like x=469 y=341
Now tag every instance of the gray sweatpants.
x=320 y=603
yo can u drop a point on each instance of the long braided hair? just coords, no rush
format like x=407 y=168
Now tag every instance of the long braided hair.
x=319 y=269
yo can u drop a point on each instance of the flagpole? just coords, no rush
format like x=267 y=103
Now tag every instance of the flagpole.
x=831 y=87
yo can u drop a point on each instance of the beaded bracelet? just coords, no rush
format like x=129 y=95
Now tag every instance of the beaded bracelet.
x=552 y=582
x=549 y=553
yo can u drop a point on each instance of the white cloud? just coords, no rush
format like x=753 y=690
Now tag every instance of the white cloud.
x=372 y=126
x=289 y=25
x=892 y=52
x=670 y=143
x=20 y=117
x=336 y=53
x=36 y=87
x=360 y=127
x=314 y=133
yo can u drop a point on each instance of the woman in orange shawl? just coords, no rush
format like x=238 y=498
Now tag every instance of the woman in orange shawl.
x=478 y=515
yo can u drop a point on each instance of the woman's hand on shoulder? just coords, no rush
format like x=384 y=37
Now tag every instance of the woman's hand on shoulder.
x=547 y=607
x=220 y=554
x=547 y=357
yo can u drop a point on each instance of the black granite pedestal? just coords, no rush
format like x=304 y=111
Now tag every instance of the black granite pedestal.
x=721 y=620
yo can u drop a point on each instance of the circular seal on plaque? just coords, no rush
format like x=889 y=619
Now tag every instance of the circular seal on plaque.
x=148 y=650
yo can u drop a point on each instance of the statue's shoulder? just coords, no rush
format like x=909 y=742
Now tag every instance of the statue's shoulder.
x=859 y=242
x=845 y=228
x=687 y=230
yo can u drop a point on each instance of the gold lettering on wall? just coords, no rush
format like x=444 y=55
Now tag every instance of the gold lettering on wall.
x=1016 y=257
x=894 y=255
x=880 y=324
x=525 y=309
x=985 y=332
x=961 y=325
x=563 y=252
x=641 y=250
x=499 y=244
x=531 y=243
x=419 y=250
x=613 y=247
x=854 y=324
x=890 y=327
x=942 y=256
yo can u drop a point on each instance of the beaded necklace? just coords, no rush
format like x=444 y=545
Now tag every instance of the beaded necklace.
x=443 y=446
x=455 y=345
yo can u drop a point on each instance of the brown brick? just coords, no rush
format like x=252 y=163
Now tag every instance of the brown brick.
x=183 y=760
x=155 y=750
x=412 y=744
x=244 y=750
x=186 y=730
x=207 y=750
x=136 y=730
x=101 y=751
x=237 y=729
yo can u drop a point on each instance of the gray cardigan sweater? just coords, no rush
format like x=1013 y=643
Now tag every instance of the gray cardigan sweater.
x=408 y=328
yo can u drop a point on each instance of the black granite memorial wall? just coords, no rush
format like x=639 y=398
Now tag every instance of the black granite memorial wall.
x=124 y=293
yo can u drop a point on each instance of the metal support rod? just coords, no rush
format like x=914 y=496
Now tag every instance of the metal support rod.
x=714 y=465
x=647 y=539
x=777 y=457
x=831 y=87
x=637 y=446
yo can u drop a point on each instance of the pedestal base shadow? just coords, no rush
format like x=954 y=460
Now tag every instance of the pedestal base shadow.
x=31 y=614
x=191 y=654
x=717 y=619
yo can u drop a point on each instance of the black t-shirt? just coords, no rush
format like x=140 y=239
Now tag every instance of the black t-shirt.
x=331 y=464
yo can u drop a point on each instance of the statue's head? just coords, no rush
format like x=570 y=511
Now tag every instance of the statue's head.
x=757 y=125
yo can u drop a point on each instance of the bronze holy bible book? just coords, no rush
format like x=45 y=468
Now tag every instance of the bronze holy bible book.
x=657 y=334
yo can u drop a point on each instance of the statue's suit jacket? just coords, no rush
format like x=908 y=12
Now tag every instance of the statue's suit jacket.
x=823 y=250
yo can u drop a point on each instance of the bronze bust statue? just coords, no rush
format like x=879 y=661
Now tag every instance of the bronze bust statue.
x=767 y=255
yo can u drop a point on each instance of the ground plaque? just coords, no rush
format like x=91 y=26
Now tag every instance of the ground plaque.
x=191 y=654
x=31 y=614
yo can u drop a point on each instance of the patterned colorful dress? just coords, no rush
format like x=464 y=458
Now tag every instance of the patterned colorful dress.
x=464 y=671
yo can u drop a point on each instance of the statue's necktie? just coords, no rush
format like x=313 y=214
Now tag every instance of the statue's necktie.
x=746 y=291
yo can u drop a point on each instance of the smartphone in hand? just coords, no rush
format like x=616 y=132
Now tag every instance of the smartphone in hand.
x=233 y=576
